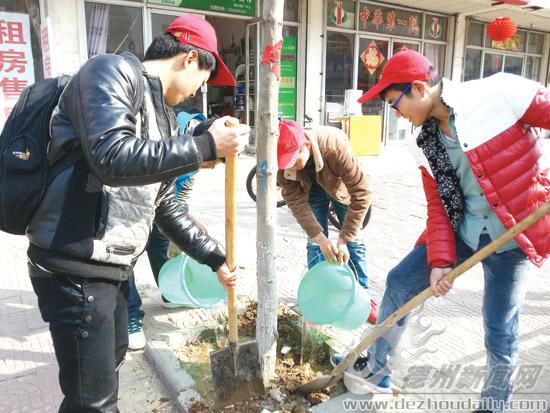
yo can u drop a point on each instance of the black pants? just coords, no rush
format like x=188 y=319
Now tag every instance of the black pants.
x=89 y=327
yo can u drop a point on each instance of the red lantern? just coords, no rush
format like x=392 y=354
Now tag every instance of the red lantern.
x=501 y=28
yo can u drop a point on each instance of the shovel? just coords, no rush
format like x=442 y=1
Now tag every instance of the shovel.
x=337 y=373
x=236 y=370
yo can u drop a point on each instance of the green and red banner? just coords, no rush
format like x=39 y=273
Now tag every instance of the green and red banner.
x=287 y=86
x=241 y=7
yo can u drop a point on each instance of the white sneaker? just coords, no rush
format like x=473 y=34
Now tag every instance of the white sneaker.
x=136 y=337
x=136 y=341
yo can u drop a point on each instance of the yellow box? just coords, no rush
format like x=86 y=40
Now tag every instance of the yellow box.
x=365 y=133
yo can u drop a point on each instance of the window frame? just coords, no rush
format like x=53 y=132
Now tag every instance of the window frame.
x=484 y=50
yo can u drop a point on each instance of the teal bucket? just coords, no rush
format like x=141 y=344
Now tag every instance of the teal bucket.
x=330 y=294
x=183 y=280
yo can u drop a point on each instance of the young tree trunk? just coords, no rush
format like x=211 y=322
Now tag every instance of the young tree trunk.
x=268 y=132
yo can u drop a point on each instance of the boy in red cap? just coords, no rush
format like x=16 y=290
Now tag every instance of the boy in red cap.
x=480 y=160
x=317 y=167
x=96 y=215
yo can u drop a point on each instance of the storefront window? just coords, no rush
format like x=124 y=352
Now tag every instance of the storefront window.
x=391 y=21
x=536 y=41
x=472 y=65
x=532 y=67
x=373 y=55
x=520 y=54
x=355 y=58
x=339 y=69
x=475 y=34
x=290 y=11
x=436 y=54
x=114 y=29
x=341 y=13
x=21 y=53
x=513 y=64
x=492 y=63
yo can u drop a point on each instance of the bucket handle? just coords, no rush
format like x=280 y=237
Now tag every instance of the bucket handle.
x=350 y=263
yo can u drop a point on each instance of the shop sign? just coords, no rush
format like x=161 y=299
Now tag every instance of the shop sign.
x=338 y=15
x=435 y=29
x=16 y=60
x=341 y=13
x=287 y=86
x=375 y=18
x=241 y=7
x=372 y=58
x=45 y=41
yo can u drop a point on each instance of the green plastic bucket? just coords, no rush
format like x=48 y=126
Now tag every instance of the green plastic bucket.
x=183 y=280
x=330 y=294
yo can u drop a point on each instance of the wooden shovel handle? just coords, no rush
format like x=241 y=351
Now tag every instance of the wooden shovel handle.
x=483 y=253
x=230 y=224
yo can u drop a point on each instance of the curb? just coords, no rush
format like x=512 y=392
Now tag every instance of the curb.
x=180 y=385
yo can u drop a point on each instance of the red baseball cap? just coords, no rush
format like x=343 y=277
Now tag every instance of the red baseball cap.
x=291 y=139
x=403 y=67
x=196 y=31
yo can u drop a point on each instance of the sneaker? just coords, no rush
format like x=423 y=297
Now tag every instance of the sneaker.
x=373 y=316
x=359 y=365
x=136 y=337
x=360 y=380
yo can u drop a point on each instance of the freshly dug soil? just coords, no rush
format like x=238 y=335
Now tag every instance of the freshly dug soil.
x=306 y=356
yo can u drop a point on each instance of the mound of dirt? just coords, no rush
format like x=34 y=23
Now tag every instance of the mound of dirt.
x=302 y=354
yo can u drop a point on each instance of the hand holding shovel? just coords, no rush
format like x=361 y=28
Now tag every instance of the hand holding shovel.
x=236 y=371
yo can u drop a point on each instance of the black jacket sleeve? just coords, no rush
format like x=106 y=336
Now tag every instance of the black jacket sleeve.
x=173 y=220
x=100 y=100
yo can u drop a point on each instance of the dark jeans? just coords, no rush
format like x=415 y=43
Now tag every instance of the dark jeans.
x=157 y=252
x=505 y=279
x=89 y=328
x=319 y=201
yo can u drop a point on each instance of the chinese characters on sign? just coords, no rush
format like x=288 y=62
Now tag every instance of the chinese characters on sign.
x=45 y=41
x=16 y=60
x=374 y=18
x=287 y=87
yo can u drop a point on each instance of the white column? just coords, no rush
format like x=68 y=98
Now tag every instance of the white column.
x=314 y=57
x=459 y=47
x=68 y=29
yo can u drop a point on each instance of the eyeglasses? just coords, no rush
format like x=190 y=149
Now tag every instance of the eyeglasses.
x=396 y=101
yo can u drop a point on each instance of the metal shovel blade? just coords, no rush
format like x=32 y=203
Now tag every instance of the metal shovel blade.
x=236 y=373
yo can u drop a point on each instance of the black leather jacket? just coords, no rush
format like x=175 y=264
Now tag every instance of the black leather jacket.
x=100 y=210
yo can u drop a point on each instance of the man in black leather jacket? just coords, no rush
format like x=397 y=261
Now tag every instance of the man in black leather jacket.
x=96 y=215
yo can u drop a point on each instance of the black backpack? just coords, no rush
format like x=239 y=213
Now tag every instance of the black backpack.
x=24 y=170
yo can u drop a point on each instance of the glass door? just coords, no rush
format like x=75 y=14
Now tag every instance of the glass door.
x=373 y=55
x=398 y=129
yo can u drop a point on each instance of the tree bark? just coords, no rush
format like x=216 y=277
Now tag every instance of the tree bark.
x=268 y=133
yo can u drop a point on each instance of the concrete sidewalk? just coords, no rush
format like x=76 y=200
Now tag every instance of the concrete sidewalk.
x=449 y=329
